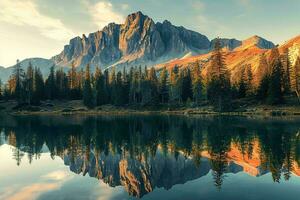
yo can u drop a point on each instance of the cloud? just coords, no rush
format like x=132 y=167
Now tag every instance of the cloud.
x=245 y=3
x=103 y=13
x=124 y=6
x=208 y=25
x=31 y=191
x=56 y=175
x=25 y=13
x=198 y=5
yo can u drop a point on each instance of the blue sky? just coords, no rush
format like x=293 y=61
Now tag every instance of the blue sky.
x=40 y=28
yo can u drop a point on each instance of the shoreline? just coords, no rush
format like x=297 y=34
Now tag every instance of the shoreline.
x=76 y=108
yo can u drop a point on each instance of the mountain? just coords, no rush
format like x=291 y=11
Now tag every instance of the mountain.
x=247 y=54
x=256 y=41
x=139 y=40
x=42 y=63
x=226 y=43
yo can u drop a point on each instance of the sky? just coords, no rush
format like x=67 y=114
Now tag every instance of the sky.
x=41 y=28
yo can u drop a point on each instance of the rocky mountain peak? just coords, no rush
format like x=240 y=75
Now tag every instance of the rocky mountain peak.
x=139 y=40
x=257 y=41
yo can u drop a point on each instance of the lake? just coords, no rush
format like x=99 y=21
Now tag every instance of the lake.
x=149 y=157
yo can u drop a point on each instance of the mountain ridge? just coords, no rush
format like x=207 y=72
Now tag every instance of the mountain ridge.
x=141 y=41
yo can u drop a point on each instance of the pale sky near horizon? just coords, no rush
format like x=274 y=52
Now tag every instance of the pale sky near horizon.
x=41 y=28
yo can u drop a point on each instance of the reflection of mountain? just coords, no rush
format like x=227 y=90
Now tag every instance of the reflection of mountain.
x=144 y=153
x=141 y=176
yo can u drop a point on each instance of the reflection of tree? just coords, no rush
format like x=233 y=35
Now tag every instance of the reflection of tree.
x=218 y=141
x=140 y=139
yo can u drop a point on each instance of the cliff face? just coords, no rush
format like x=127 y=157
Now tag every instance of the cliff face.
x=138 y=40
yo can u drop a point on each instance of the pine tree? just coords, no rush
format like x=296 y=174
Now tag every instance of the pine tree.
x=113 y=87
x=61 y=84
x=175 y=90
x=6 y=93
x=74 y=83
x=249 y=81
x=135 y=86
x=262 y=69
x=100 y=88
x=286 y=71
x=154 y=95
x=88 y=99
x=186 y=88
x=262 y=90
x=163 y=86
x=29 y=84
x=197 y=84
x=218 y=81
x=38 y=86
x=126 y=87
x=18 y=78
x=50 y=84
x=1 y=90
x=275 y=93
x=295 y=77
x=242 y=86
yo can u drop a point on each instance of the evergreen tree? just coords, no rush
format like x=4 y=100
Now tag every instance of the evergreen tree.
x=74 y=83
x=88 y=99
x=286 y=81
x=135 y=86
x=197 y=84
x=275 y=93
x=113 y=87
x=50 y=84
x=29 y=84
x=295 y=77
x=38 y=86
x=1 y=90
x=249 y=81
x=163 y=86
x=125 y=87
x=218 y=83
x=100 y=88
x=242 y=86
x=175 y=90
x=18 y=79
x=153 y=83
x=61 y=84
x=186 y=89
x=263 y=87
x=6 y=93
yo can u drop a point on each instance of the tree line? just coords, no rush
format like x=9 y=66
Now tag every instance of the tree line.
x=151 y=87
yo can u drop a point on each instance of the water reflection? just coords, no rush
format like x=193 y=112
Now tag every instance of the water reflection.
x=144 y=153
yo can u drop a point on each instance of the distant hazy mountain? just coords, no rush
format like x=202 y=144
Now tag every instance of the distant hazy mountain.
x=43 y=64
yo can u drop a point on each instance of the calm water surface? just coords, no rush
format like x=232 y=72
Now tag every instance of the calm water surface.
x=149 y=157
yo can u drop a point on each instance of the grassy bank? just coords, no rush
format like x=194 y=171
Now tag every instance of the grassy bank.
x=77 y=107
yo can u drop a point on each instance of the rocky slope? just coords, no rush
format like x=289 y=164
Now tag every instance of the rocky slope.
x=138 y=41
x=247 y=54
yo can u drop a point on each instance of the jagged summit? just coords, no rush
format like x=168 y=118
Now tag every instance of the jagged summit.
x=257 y=41
x=138 y=40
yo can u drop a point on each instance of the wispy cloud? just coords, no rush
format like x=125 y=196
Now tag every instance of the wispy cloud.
x=25 y=13
x=103 y=13
x=31 y=191
x=198 y=5
x=211 y=26
x=56 y=176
